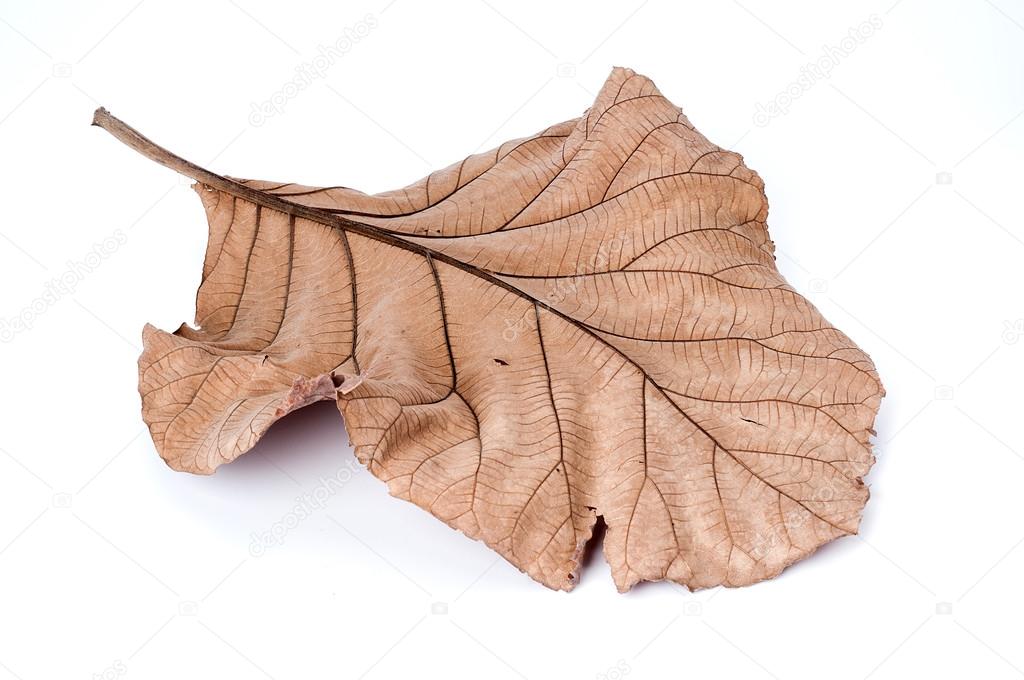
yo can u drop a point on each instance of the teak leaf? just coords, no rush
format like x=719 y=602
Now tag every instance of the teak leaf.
x=587 y=322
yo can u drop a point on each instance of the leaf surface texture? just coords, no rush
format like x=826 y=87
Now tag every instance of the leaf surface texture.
x=586 y=322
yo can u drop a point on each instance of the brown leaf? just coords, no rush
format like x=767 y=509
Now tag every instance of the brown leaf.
x=585 y=322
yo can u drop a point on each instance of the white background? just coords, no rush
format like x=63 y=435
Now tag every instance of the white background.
x=113 y=565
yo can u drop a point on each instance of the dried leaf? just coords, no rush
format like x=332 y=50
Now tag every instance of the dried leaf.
x=585 y=322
